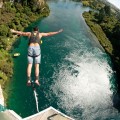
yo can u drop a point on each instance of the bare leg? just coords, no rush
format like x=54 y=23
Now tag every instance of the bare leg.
x=37 y=74
x=29 y=68
x=36 y=69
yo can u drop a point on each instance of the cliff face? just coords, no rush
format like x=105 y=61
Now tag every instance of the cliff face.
x=1 y=97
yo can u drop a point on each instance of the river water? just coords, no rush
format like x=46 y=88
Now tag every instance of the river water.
x=76 y=74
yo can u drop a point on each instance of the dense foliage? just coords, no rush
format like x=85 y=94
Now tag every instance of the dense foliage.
x=95 y=4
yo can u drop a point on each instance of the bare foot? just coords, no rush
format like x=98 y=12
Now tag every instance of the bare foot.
x=37 y=82
x=28 y=83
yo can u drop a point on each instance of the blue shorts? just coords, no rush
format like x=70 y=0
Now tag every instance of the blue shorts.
x=34 y=54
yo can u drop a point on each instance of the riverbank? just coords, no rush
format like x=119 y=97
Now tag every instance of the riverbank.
x=104 y=24
x=99 y=33
x=15 y=15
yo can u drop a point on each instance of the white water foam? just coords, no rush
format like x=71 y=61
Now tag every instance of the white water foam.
x=83 y=88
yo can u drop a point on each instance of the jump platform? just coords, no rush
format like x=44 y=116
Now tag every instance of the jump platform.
x=47 y=114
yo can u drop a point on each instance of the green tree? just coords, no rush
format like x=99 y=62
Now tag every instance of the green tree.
x=116 y=31
x=3 y=30
x=101 y=15
x=107 y=10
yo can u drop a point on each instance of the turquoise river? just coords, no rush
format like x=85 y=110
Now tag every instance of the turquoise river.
x=76 y=74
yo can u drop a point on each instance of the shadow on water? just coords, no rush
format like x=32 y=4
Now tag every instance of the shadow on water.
x=16 y=43
x=116 y=95
x=115 y=86
x=116 y=101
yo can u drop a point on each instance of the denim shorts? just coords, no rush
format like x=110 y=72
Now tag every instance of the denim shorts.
x=34 y=54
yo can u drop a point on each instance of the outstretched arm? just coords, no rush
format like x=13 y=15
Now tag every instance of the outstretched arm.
x=20 y=32
x=51 y=33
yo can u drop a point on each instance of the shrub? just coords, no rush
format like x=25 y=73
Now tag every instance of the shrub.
x=12 y=25
x=20 y=28
x=16 y=21
x=5 y=67
x=3 y=30
x=3 y=43
x=17 y=14
x=85 y=3
x=27 y=10
x=7 y=7
x=19 y=7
